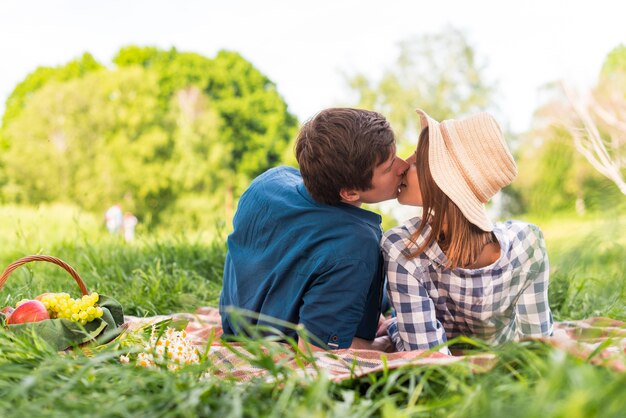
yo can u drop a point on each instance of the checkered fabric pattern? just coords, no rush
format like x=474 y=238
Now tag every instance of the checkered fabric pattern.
x=600 y=341
x=501 y=302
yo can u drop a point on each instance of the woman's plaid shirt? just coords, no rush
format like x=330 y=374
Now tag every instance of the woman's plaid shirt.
x=504 y=301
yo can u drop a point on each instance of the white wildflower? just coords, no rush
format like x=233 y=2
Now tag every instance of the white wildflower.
x=171 y=349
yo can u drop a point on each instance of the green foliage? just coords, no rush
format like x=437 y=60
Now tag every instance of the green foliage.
x=153 y=275
x=547 y=174
x=175 y=70
x=42 y=76
x=588 y=266
x=245 y=98
x=146 y=56
x=255 y=128
x=439 y=73
x=615 y=62
x=98 y=138
x=170 y=135
x=554 y=176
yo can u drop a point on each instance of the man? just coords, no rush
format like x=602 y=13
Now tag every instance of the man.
x=302 y=249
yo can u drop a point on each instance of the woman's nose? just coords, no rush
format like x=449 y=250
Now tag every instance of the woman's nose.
x=403 y=166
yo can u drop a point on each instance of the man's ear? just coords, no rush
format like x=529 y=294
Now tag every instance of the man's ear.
x=349 y=195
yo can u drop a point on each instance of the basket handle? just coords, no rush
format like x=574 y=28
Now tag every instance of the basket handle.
x=49 y=259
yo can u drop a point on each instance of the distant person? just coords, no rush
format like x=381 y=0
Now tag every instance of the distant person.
x=129 y=224
x=302 y=249
x=451 y=271
x=113 y=218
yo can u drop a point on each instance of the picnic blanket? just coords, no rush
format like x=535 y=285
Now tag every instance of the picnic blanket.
x=599 y=340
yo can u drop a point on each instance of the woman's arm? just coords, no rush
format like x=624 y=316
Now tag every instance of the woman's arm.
x=533 y=315
x=417 y=326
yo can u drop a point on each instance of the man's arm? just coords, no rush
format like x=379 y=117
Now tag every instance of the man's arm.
x=378 y=344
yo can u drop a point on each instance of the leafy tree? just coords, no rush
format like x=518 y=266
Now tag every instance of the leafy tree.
x=255 y=126
x=174 y=134
x=615 y=62
x=22 y=93
x=554 y=176
x=440 y=73
x=174 y=70
x=18 y=99
x=91 y=140
x=547 y=171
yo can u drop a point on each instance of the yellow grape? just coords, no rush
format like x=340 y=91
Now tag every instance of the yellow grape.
x=82 y=310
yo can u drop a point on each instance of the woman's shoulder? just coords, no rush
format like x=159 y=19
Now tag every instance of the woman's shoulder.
x=399 y=244
x=519 y=229
x=403 y=231
x=521 y=237
x=396 y=241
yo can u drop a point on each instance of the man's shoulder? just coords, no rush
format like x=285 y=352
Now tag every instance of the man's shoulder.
x=281 y=174
x=275 y=182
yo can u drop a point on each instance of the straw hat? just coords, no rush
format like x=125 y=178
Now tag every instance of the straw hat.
x=470 y=162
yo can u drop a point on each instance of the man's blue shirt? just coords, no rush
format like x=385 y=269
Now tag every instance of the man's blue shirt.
x=292 y=258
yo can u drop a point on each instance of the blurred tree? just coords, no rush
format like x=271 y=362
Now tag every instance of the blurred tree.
x=439 y=73
x=615 y=63
x=21 y=94
x=575 y=154
x=255 y=125
x=90 y=141
x=174 y=70
x=165 y=132
x=596 y=120
x=598 y=130
x=549 y=168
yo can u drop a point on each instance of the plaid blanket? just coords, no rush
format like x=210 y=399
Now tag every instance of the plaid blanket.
x=601 y=341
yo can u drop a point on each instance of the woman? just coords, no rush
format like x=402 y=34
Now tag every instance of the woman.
x=452 y=271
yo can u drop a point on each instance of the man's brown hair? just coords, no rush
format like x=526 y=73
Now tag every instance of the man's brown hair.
x=339 y=148
x=463 y=241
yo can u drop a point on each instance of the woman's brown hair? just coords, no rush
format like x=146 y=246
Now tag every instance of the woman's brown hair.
x=462 y=241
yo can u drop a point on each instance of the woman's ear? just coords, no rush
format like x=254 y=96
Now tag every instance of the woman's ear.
x=349 y=195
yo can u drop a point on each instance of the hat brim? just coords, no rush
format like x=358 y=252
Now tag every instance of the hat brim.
x=448 y=176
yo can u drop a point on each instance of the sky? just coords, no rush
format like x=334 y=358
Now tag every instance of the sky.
x=308 y=48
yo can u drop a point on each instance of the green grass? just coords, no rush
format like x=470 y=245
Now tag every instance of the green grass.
x=588 y=267
x=172 y=273
x=153 y=275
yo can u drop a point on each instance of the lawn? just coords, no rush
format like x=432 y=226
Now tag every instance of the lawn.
x=168 y=273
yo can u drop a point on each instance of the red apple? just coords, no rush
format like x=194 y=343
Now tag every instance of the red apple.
x=29 y=311
x=42 y=295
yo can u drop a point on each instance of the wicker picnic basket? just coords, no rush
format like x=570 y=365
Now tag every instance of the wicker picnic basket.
x=63 y=333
